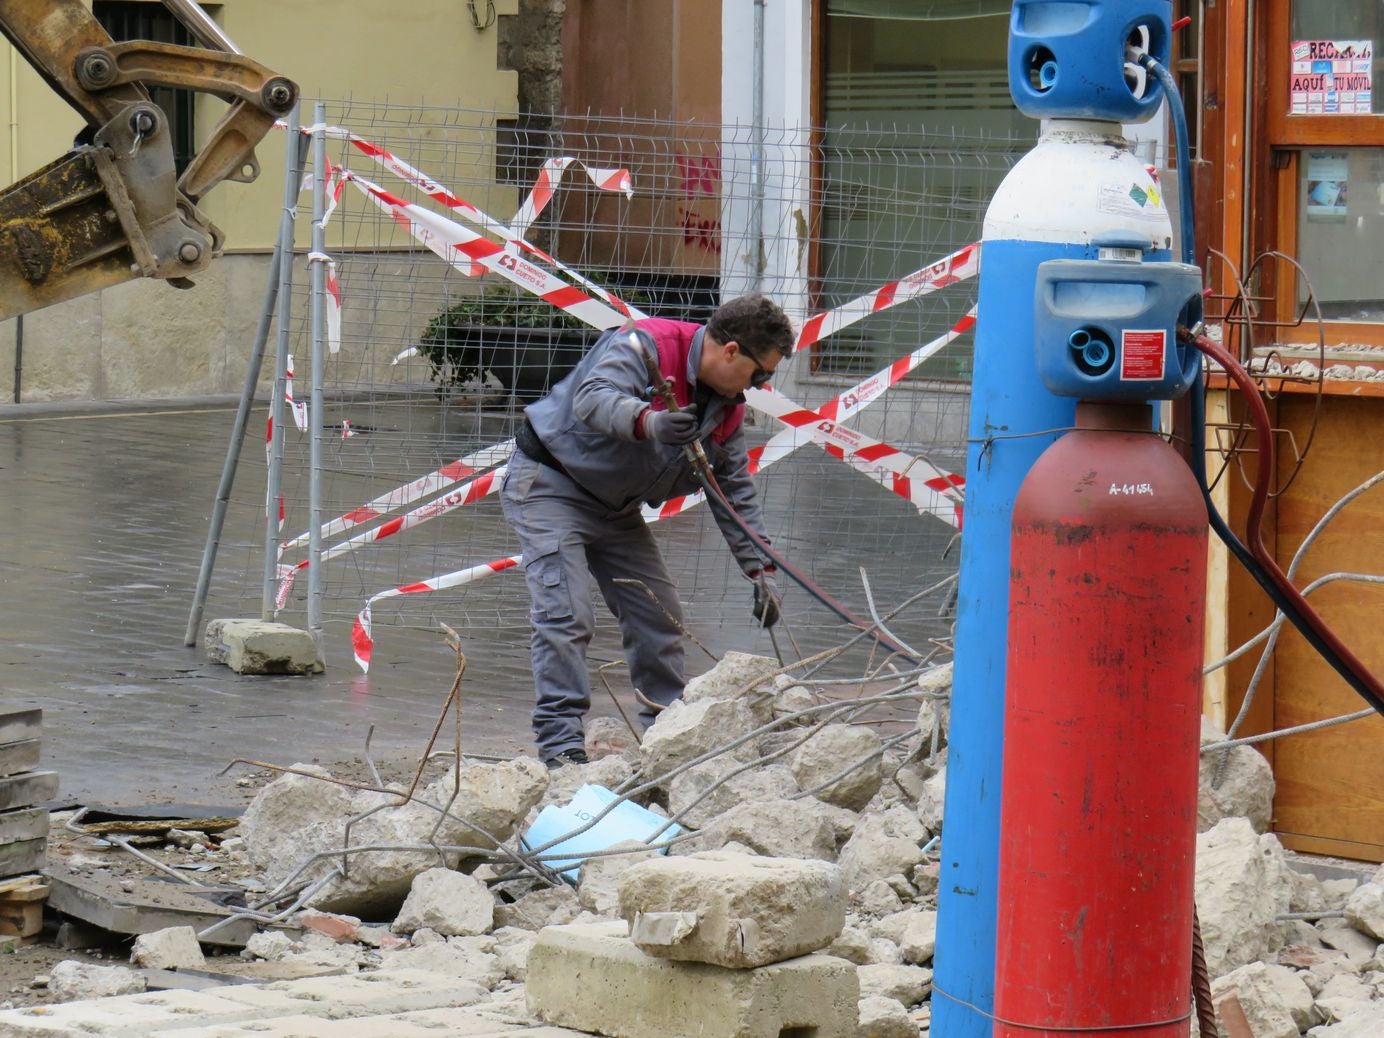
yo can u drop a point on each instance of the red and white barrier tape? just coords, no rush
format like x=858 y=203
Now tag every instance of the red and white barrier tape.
x=544 y=185
x=333 y=310
x=363 y=642
x=446 y=476
x=460 y=247
x=467 y=493
x=960 y=265
x=299 y=408
x=939 y=489
x=549 y=177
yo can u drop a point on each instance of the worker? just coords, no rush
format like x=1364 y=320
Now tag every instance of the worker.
x=595 y=449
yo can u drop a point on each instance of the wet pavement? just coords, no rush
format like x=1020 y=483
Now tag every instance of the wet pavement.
x=104 y=514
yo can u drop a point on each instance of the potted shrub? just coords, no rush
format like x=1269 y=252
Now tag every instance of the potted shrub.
x=522 y=342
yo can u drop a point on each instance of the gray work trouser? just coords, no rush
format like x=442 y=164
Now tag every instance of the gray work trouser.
x=568 y=537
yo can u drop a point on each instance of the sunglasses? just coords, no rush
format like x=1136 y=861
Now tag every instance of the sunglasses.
x=761 y=375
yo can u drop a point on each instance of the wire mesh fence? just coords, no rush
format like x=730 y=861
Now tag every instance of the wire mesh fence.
x=437 y=358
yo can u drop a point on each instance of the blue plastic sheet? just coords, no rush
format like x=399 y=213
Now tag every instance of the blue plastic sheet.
x=628 y=821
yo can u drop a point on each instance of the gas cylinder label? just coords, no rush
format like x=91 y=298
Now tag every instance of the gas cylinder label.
x=1140 y=201
x=1142 y=355
x=1131 y=489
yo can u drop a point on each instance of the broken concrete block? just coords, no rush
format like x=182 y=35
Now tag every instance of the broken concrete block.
x=608 y=737
x=271 y=945
x=1343 y=996
x=474 y=965
x=592 y=978
x=170 y=949
x=883 y=950
x=689 y=790
x=881 y=1017
x=877 y=898
x=1276 y=1001
x=295 y=817
x=740 y=676
x=919 y=938
x=1241 y=886
x=834 y=749
x=598 y=888
x=777 y=828
x=883 y=844
x=745 y=911
x=380 y=937
x=930 y=801
x=1359 y=948
x=513 y=957
x=1232 y=783
x=492 y=797
x=935 y=711
x=852 y=944
x=909 y=984
x=547 y=906
x=1308 y=893
x=451 y=903
x=261 y=647
x=71 y=980
x=841 y=820
x=1365 y=1021
x=686 y=731
x=1365 y=909
x=793 y=699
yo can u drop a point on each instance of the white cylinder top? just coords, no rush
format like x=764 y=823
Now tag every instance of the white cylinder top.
x=1079 y=185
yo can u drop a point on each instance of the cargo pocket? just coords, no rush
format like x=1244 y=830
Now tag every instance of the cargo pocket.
x=552 y=599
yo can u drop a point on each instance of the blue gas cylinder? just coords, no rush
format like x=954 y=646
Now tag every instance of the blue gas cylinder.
x=1079 y=59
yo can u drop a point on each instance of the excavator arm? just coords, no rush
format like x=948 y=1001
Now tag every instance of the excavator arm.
x=113 y=208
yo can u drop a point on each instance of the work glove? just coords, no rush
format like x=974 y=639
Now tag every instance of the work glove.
x=766 y=599
x=676 y=427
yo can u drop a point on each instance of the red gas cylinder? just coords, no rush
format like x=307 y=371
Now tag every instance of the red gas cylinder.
x=1102 y=719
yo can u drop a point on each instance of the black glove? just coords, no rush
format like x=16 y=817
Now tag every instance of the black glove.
x=766 y=600
x=676 y=427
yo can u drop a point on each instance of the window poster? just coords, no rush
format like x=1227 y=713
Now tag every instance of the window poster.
x=1331 y=77
x=1327 y=181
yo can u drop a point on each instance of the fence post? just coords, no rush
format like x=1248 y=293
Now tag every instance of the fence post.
x=274 y=479
x=294 y=154
x=318 y=274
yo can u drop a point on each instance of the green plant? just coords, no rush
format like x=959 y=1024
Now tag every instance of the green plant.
x=495 y=329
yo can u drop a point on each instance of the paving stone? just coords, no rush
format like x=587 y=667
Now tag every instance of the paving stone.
x=591 y=977
x=359 y=994
x=428 y=1023
x=126 y=1015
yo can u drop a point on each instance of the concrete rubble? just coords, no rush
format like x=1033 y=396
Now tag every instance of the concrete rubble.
x=745 y=911
x=450 y=903
x=173 y=948
x=780 y=908
x=298 y=815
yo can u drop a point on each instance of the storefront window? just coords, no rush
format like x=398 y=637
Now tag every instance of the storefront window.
x=919 y=131
x=1340 y=226
x=1335 y=63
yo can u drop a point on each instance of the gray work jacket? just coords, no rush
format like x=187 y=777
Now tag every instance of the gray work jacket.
x=587 y=422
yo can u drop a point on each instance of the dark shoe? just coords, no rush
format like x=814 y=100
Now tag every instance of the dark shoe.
x=567 y=757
